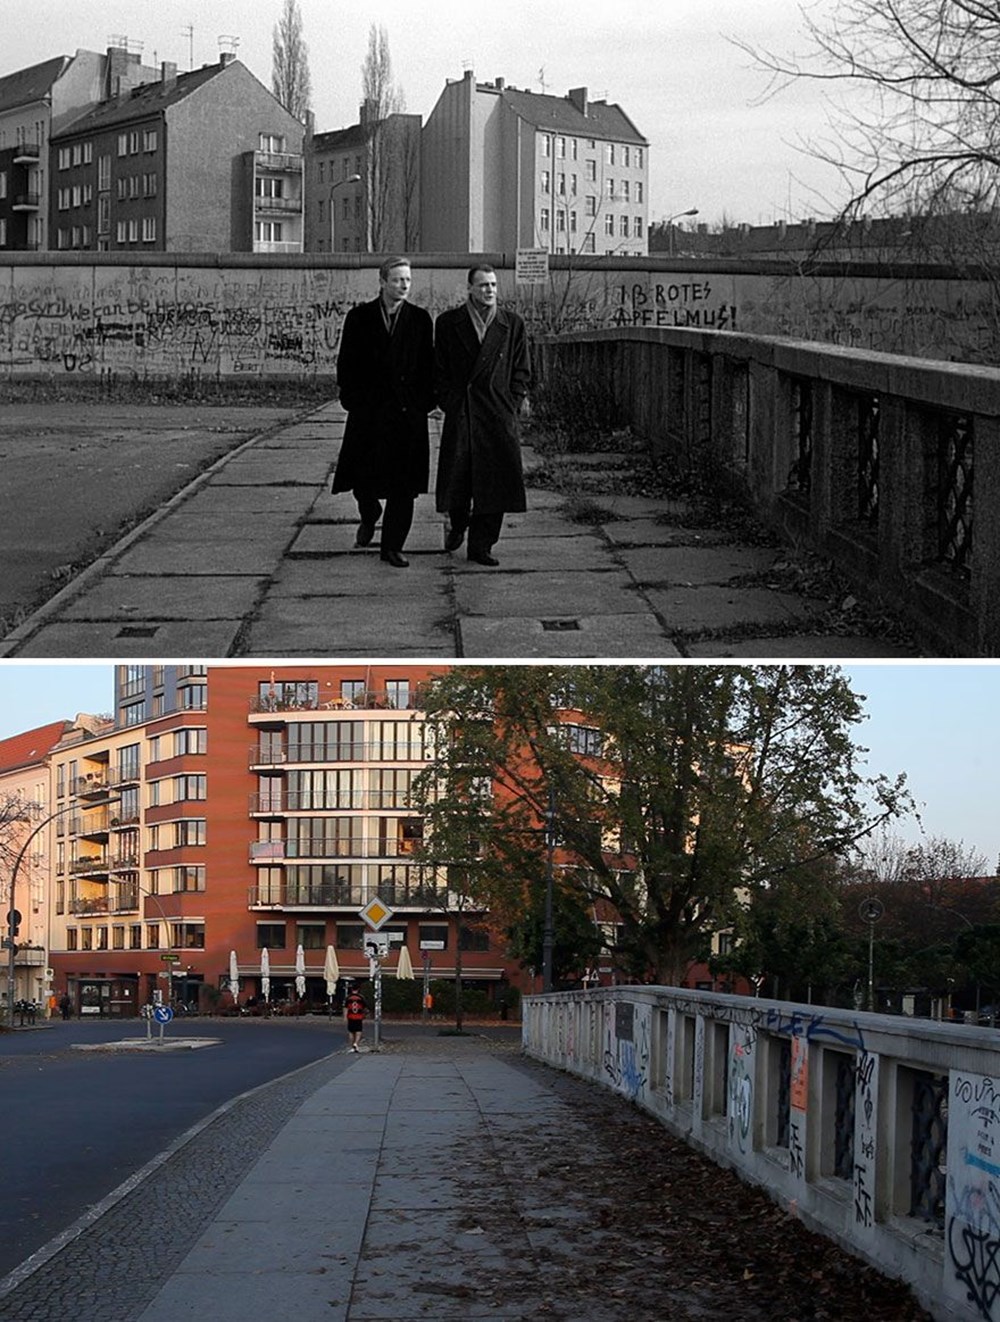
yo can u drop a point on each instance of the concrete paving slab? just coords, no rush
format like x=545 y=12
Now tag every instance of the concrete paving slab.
x=131 y=597
x=655 y=532
x=360 y=575
x=393 y=629
x=693 y=566
x=239 y=502
x=545 y=595
x=688 y=610
x=208 y=638
x=257 y=468
x=574 y=550
x=596 y=636
x=208 y=556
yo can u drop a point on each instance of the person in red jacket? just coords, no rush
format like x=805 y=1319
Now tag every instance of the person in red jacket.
x=354 y=1012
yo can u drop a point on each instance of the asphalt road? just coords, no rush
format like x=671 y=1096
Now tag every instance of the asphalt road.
x=76 y=1124
x=77 y=476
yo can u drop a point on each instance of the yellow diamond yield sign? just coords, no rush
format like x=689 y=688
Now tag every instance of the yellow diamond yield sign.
x=375 y=913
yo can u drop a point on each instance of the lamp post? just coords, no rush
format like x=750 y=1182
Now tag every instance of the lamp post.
x=871 y=910
x=548 y=933
x=12 y=921
x=350 y=179
x=692 y=211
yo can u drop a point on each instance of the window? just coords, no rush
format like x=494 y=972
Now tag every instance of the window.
x=88 y=153
x=473 y=938
x=188 y=936
x=638 y=158
x=310 y=936
x=118 y=938
x=638 y=227
x=190 y=831
x=188 y=877
x=590 y=168
x=625 y=156
x=271 y=935
x=610 y=188
x=638 y=190
x=397 y=693
x=546 y=145
x=590 y=205
x=271 y=142
x=269 y=186
x=122 y=144
x=543 y=222
x=572 y=222
x=351 y=690
x=102 y=938
x=623 y=227
x=149 y=140
x=104 y=172
x=572 y=184
x=268 y=231
x=86 y=938
x=588 y=243
x=546 y=181
x=133 y=231
x=149 y=229
x=64 y=158
x=609 y=153
x=582 y=739
x=133 y=186
x=609 y=225
x=288 y=694
x=561 y=221
x=134 y=712
x=625 y=190
x=135 y=936
x=350 y=936
x=149 y=184
x=193 y=697
x=190 y=741
x=562 y=184
x=3 y=183
x=436 y=934
x=561 y=147
x=71 y=938
x=189 y=787
x=153 y=936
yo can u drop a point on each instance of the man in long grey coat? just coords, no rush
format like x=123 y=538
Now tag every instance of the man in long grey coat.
x=385 y=372
x=483 y=374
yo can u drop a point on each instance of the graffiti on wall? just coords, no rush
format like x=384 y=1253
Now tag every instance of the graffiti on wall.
x=170 y=320
x=742 y=1046
x=972 y=1204
x=865 y=1094
x=627 y=1048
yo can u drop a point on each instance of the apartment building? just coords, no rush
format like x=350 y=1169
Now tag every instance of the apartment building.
x=207 y=161
x=35 y=103
x=237 y=809
x=503 y=168
x=363 y=186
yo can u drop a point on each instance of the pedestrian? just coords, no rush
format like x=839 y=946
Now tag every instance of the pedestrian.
x=354 y=1011
x=385 y=373
x=482 y=378
x=65 y=1005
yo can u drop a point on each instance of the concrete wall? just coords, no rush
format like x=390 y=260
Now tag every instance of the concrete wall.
x=815 y=1105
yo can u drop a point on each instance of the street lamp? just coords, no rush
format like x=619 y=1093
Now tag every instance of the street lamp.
x=548 y=933
x=12 y=921
x=692 y=211
x=350 y=179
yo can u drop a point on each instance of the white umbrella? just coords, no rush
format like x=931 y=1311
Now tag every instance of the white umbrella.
x=300 y=972
x=404 y=969
x=331 y=971
x=265 y=974
x=234 y=976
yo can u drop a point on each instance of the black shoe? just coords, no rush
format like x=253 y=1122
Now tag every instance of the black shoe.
x=483 y=558
x=395 y=559
x=454 y=538
x=366 y=531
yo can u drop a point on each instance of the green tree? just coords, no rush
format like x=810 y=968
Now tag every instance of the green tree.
x=676 y=791
x=291 y=82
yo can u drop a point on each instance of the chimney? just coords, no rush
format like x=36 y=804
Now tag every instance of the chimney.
x=578 y=96
x=226 y=57
x=499 y=84
x=168 y=74
x=117 y=63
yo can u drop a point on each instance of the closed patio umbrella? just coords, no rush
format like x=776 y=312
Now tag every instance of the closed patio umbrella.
x=265 y=974
x=331 y=974
x=234 y=976
x=300 y=972
x=404 y=969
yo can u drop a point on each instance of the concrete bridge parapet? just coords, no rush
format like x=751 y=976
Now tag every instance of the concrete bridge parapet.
x=868 y=458
x=879 y=1131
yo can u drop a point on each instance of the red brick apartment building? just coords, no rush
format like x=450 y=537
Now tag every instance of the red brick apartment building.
x=235 y=808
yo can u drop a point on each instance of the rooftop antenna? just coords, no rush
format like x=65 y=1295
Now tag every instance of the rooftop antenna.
x=119 y=40
x=541 y=80
x=189 y=33
x=229 y=44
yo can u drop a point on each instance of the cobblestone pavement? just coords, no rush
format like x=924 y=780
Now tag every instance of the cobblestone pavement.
x=493 y=1188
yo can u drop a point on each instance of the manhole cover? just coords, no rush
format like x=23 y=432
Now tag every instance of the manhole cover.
x=560 y=626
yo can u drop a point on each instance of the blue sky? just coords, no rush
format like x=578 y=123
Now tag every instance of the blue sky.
x=671 y=64
x=938 y=722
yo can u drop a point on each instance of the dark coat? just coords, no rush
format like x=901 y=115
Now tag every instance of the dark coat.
x=481 y=388
x=387 y=386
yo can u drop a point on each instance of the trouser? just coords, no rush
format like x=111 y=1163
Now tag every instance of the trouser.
x=398 y=516
x=484 y=529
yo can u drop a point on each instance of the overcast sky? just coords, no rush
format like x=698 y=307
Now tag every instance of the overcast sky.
x=938 y=722
x=667 y=63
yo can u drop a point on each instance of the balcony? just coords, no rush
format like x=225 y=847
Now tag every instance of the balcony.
x=368 y=700
x=30 y=957
x=92 y=825
x=27 y=153
x=343 y=895
x=94 y=785
x=275 y=803
x=89 y=867
x=125 y=863
x=268 y=756
x=299 y=851
x=26 y=202
x=264 y=206
x=92 y=904
x=281 y=161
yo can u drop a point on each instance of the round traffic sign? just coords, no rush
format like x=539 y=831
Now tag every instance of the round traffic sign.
x=162 y=1014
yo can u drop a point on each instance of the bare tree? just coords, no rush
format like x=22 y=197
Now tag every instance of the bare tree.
x=290 y=79
x=382 y=99
x=927 y=134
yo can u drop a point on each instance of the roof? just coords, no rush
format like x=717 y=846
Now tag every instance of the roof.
x=32 y=84
x=33 y=746
x=143 y=101
x=356 y=135
x=558 y=114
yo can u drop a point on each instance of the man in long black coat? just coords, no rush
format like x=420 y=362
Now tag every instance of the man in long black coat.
x=385 y=371
x=482 y=374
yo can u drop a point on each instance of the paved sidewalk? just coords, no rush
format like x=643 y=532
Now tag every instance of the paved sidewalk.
x=257 y=558
x=447 y=1180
